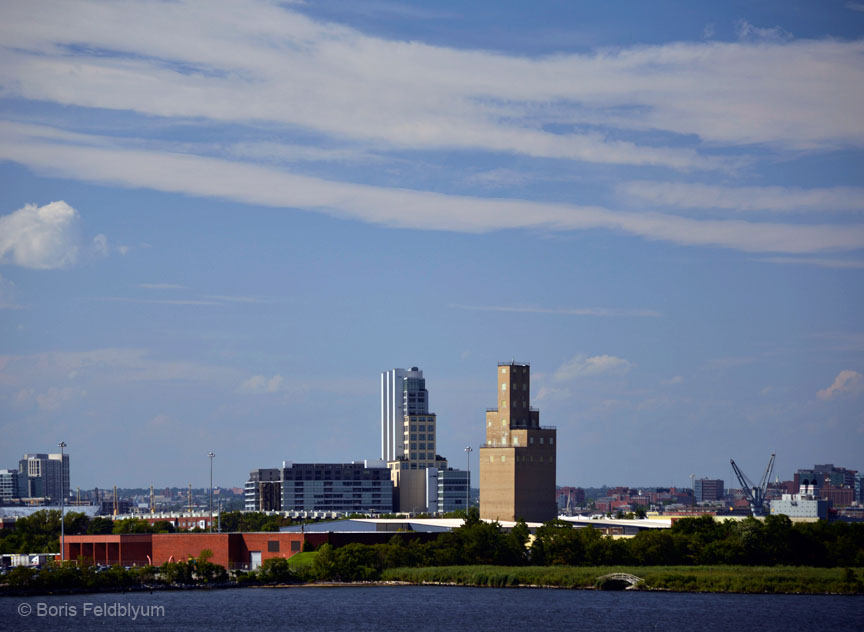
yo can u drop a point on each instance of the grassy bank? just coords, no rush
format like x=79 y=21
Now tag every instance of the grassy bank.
x=740 y=579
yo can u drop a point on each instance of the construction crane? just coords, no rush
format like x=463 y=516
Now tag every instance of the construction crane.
x=754 y=495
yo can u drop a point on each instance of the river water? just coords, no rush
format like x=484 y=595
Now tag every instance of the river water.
x=418 y=608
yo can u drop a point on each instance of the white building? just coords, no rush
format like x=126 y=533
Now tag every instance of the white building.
x=804 y=504
x=403 y=392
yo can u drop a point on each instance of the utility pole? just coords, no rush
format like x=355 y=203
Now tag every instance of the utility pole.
x=62 y=445
x=468 y=451
x=211 y=455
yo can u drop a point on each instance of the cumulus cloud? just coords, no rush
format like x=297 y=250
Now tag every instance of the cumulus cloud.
x=847 y=382
x=261 y=384
x=584 y=366
x=40 y=237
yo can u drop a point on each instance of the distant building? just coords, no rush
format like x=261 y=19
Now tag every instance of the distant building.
x=8 y=485
x=44 y=476
x=321 y=487
x=805 y=504
x=517 y=462
x=568 y=498
x=835 y=484
x=263 y=490
x=707 y=489
x=453 y=488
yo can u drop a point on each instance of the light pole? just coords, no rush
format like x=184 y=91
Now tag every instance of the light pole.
x=693 y=489
x=211 y=455
x=468 y=451
x=62 y=445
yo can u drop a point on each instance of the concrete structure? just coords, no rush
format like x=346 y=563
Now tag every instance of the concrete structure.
x=336 y=488
x=40 y=476
x=707 y=489
x=517 y=462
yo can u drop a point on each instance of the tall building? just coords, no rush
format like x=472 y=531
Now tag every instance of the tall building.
x=43 y=476
x=8 y=485
x=517 y=462
x=403 y=392
x=707 y=489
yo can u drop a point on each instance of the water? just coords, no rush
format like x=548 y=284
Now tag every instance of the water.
x=418 y=608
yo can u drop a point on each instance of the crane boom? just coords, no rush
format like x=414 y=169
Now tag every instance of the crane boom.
x=754 y=495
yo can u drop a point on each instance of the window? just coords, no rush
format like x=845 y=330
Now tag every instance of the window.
x=531 y=440
x=504 y=386
x=273 y=546
x=503 y=458
x=551 y=440
x=542 y=440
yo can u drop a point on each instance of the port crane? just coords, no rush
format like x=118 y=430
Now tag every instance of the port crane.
x=754 y=495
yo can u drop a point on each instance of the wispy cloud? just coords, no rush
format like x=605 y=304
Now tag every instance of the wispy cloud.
x=584 y=366
x=7 y=294
x=816 y=261
x=244 y=60
x=161 y=286
x=268 y=186
x=855 y=6
x=750 y=198
x=583 y=311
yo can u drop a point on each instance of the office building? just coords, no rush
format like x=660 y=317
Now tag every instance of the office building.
x=453 y=486
x=8 y=485
x=321 y=487
x=707 y=489
x=403 y=393
x=517 y=462
x=805 y=505
x=44 y=476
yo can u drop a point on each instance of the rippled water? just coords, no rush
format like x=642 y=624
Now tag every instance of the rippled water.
x=414 y=608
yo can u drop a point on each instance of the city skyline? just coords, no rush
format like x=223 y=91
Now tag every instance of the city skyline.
x=221 y=222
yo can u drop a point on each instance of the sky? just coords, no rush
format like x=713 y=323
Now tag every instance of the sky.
x=221 y=221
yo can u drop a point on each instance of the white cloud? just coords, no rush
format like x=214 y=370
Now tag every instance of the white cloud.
x=55 y=397
x=846 y=383
x=751 y=198
x=269 y=186
x=261 y=384
x=678 y=379
x=253 y=60
x=583 y=366
x=855 y=6
x=41 y=237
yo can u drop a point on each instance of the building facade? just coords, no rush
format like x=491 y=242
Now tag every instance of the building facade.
x=453 y=488
x=321 y=487
x=403 y=392
x=44 y=476
x=707 y=489
x=517 y=462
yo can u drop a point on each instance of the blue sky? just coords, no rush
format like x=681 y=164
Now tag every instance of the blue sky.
x=220 y=221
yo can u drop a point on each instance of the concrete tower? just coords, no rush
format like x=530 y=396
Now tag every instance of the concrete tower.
x=517 y=462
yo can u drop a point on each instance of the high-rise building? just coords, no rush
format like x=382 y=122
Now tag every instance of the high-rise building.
x=517 y=462
x=708 y=489
x=403 y=393
x=43 y=476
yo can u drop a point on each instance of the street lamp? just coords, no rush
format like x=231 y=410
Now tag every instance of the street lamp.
x=468 y=451
x=693 y=489
x=62 y=445
x=211 y=455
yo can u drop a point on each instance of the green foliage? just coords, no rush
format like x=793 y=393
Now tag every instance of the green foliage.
x=234 y=521
x=277 y=570
x=132 y=525
x=100 y=526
